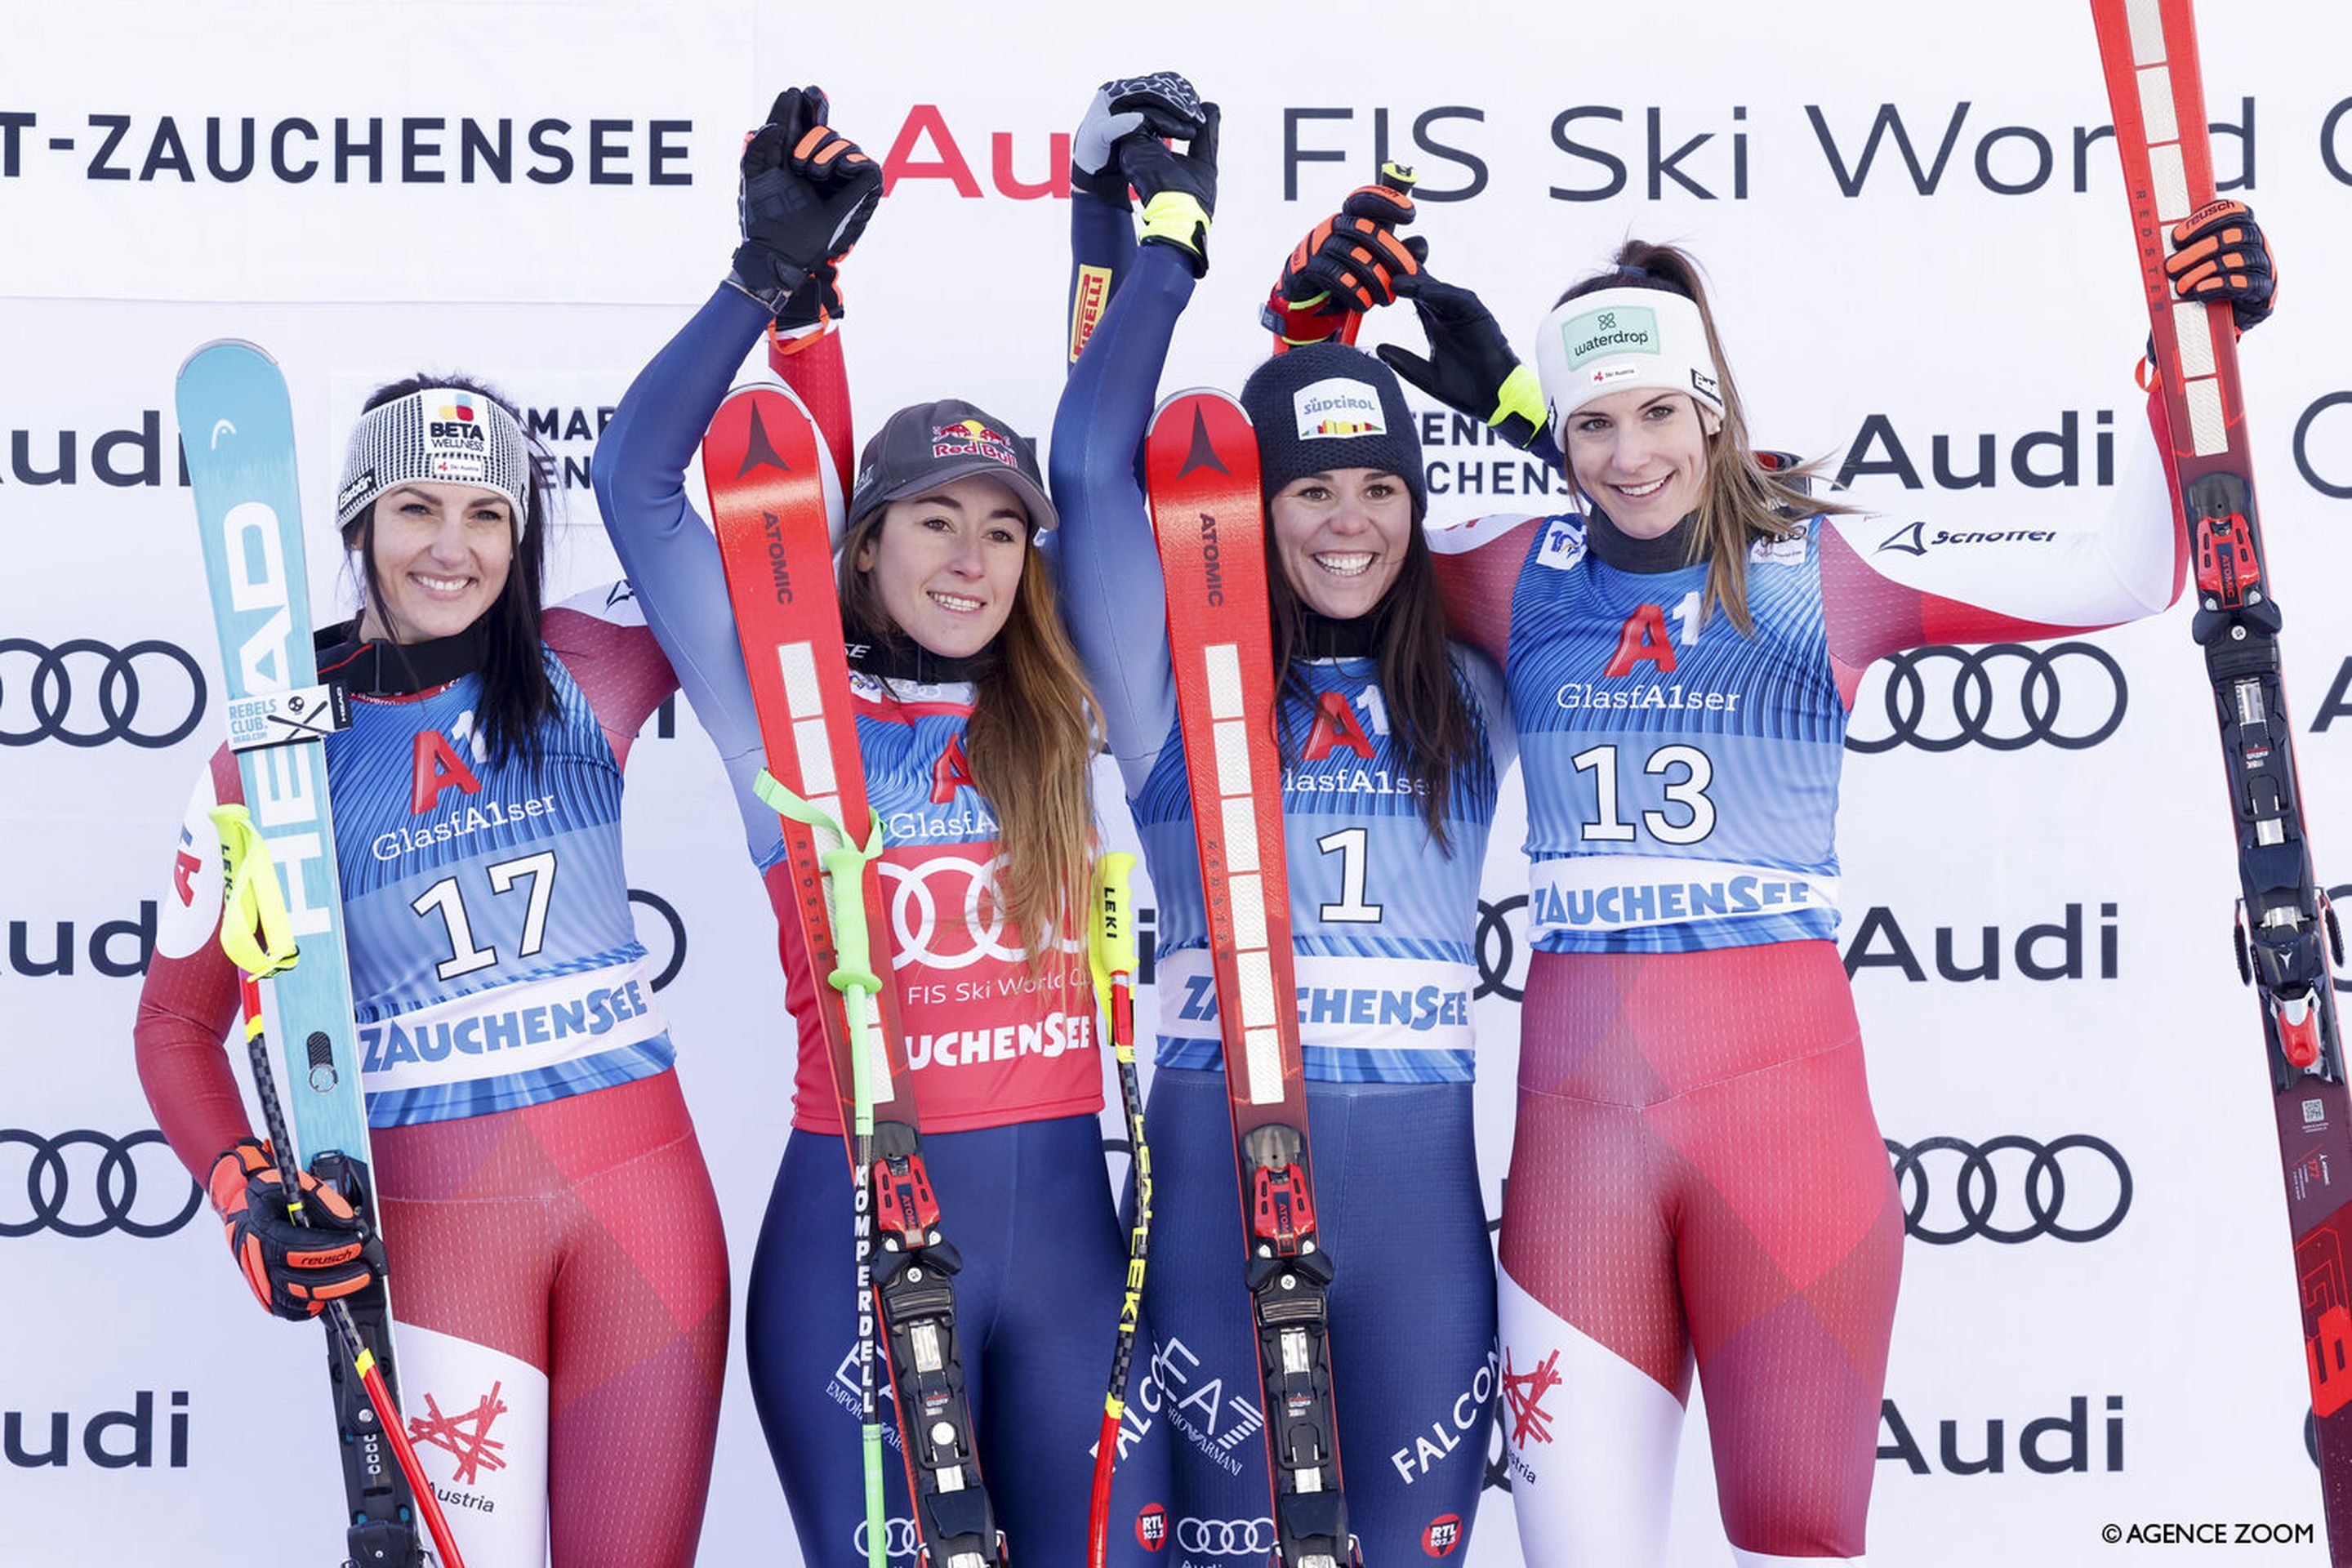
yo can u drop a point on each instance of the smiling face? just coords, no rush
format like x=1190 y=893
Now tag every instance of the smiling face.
x=1641 y=454
x=946 y=563
x=441 y=552
x=1340 y=536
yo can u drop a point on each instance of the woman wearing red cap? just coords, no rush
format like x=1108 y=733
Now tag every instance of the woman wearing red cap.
x=977 y=729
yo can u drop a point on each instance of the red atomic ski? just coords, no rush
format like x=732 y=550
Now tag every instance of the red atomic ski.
x=761 y=462
x=1200 y=468
x=2286 y=932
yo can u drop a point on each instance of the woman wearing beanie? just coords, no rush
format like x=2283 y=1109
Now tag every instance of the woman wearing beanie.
x=977 y=732
x=543 y=1204
x=1697 y=1177
x=1389 y=789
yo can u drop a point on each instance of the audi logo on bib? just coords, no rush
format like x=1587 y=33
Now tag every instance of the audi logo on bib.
x=2012 y=1189
x=86 y=1196
x=85 y=692
x=973 y=927
x=2004 y=697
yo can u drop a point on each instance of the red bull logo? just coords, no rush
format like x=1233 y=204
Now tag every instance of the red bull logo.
x=971 y=438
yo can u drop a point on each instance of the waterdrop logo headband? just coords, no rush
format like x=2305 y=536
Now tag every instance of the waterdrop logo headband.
x=442 y=433
x=1612 y=339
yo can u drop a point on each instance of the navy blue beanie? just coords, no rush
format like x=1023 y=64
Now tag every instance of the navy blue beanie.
x=1328 y=407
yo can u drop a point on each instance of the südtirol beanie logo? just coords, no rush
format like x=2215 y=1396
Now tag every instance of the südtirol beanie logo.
x=1338 y=406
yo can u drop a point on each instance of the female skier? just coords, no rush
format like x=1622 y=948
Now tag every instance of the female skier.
x=1698 y=1171
x=563 y=1273
x=977 y=730
x=1390 y=736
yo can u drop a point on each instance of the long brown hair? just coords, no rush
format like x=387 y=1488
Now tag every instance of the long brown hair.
x=1437 y=734
x=1031 y=745
x=517 y=696
x=1741 y=500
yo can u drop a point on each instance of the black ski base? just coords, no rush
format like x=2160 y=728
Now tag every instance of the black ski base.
x=914 y=1270
x=384 y=1529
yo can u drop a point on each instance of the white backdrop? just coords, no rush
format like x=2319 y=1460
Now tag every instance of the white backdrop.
x=538 y=192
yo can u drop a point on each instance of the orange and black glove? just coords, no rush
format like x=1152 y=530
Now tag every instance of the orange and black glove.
x=1352 y=261
x=806 y=194
x=2219 y=255
x=294 y=1269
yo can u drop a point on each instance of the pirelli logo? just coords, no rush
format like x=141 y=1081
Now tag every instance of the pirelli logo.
x=1086 y=303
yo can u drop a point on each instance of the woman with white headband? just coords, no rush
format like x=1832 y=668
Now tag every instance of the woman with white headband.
x=543 y=1203
x=1698 y=1175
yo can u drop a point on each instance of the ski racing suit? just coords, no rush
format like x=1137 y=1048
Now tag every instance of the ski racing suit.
x=1696 y=1171
x=561 y=1273
x=1382 y=926
x=1008 y=1077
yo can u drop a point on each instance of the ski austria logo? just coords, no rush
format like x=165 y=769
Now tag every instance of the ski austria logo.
x=2010 y=1189
x=128 y=694
x=970 y=439
x=1151 y=1527
x=1621 y=330
x=2003 y=697
x=1338 y=405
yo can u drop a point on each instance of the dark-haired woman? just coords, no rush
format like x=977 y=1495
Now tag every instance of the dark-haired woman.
x=977 y=732
x=563 y=1275
x=1698 y=1175
x=1389 y=734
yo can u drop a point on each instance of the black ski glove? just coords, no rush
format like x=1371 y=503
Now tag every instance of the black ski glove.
x=2219 y=254
x=1162 y=103
x=806 y=193
x=293 y=1270
x=1179 y=189
x=1352 y=261
x=1471 y=368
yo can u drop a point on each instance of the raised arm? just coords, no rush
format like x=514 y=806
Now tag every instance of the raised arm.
x=1110 y=585
x=806 y=191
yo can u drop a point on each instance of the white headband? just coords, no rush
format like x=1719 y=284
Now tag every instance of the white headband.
x=443 y=433
x=1612 y=339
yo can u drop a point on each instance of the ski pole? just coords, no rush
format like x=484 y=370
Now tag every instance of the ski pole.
x=853 y=975
x=1111 y=954
x=258 y=938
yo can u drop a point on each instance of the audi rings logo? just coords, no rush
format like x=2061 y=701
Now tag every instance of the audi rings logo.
x=899 y=1536
x=2004 y=696
x=1224 y=1537
x=975 y=927
x=1502 y=966
x=85 y=692
x=2010 y=1189
x=88 y=1194
x=667 y=912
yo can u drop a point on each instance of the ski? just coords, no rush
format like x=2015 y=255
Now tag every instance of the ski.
x=237 y=431
x=761 y=462
x=1201 y=472
x=2286 y=929
x=255 y=933
x=1111 y=954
